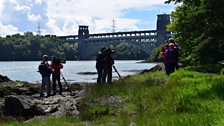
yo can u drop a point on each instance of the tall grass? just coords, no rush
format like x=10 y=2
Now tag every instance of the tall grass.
x=185 y=98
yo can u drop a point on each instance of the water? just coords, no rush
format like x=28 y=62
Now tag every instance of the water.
x=27 y=70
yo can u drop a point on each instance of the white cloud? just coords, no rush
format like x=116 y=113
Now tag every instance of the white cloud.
x=7 y=29
x=62 y=17
x=33 y=17
x=24 y=9
x=38 y=1
x=98 y=14
x=51 y=24
x=1 y=7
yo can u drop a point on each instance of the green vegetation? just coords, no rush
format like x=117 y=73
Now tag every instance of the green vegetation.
x=62 y=121
x=156 y=55
x=29 y=47
x=198 y=26
x=126 y=51
x=184 y=98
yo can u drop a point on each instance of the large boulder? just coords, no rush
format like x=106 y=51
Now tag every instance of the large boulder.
x=21 y=107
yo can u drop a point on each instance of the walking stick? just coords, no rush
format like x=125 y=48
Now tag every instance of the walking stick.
x=117 y=72
x=66 y=83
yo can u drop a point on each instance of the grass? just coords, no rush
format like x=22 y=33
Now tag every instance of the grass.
x=49 y=121
x=185 y=98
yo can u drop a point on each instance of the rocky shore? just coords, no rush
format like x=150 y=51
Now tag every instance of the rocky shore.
x=20 y=100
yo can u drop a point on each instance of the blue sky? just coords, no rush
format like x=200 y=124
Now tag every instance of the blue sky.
x=62 y=17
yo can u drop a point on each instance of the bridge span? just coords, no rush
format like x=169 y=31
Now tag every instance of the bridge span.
x=89 y=44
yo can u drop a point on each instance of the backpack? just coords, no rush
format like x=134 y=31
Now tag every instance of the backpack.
x=44 y=69
x=172 y=55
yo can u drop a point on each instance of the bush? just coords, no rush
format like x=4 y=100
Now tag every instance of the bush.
x=209 y=68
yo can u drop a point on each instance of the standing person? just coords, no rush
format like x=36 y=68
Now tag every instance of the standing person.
x=177 y=48
x=56 y=66
x=164 y=50
x=171 y=58
x=108 y=63
x=100 y=64
x=45 y=72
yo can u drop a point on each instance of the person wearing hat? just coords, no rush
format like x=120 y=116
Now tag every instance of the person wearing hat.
x=45 y=72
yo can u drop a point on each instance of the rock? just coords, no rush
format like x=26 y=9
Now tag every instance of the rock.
x=75 y=87
x=4 y=79
x=1 y=107
x=15 y=106
x=87 y=73
x=18 y=88
x=157 y=67
x=21 y=100
x=18 y=107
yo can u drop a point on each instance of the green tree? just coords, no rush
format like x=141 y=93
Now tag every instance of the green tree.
x=198 y=26
x=126 y=51
x=30 y=47
x=156 y=55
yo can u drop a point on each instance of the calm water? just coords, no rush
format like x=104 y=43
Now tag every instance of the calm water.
x=26 y=71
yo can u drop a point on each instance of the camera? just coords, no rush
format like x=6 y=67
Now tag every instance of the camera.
x=108 y=51
x=62 y=60
x=57 y=60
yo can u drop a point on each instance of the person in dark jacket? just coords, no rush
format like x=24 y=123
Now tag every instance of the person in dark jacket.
x=100 y=64
x=177 y=48
x=56 y=66
x=45 y=72
x=108 y=62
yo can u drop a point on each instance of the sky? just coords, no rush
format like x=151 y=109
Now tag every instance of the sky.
x=62 y=17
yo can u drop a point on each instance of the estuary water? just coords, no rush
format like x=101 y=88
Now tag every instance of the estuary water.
x=27 y=70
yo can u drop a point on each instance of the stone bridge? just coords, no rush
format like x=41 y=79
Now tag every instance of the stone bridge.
x=90 y=44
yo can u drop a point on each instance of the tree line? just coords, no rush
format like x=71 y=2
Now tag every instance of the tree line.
x=30 y=47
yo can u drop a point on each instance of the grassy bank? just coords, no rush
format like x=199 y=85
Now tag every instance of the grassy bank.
x=152 y=99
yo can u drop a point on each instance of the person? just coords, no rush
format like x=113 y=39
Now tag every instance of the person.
x=171 y=58
x=56 y=66
x=108 y=62
x=164 y=51
x=45 y=72
x=100 y=64
x=177 y=48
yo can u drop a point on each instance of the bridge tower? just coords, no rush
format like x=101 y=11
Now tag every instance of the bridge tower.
x=162 y=35
x=83 y=34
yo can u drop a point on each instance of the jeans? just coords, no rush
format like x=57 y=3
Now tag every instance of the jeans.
x=45 y=82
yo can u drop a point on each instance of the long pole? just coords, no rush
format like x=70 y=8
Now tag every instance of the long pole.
x=65 y=82
x=117 y=72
